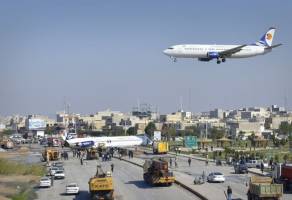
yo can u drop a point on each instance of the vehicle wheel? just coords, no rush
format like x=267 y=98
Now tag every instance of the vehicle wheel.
x=218 y=61
x=223 y=59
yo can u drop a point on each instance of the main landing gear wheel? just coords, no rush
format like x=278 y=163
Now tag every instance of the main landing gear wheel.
x=223 y=59
x=218 y=61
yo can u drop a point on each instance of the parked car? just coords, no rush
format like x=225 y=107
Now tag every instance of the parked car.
x=216 y=177
x=72 y=188
x=59 y=174
x=252 y=163
x=45 y=182
x=58 y=164
x=240 y=168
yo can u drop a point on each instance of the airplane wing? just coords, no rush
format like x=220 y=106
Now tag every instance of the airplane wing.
x=229 y=52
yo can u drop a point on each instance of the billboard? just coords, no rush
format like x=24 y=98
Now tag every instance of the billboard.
x=157 y=136
x=191 y=142
x=36 y=124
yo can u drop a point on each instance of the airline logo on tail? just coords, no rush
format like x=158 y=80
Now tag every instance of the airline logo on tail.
x=267 y=39
x=269 y=36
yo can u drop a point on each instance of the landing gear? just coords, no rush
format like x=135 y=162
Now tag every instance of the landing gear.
x=223 y=59
x=173 y=58
x=218 y=61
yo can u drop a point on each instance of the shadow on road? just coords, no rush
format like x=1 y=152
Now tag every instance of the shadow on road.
x=82 y=195
x=139 y=184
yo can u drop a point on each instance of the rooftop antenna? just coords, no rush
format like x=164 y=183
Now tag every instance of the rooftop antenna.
x=181 y=103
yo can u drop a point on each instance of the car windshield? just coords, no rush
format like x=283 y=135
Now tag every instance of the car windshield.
x=218 y=174
x=59 y=172
x=72 y=185
x=44 y=179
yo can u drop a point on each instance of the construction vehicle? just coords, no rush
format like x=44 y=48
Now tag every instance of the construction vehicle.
x=156 y=172
x=91 y=154
x=50 y=154
x=7 y=144
x=160 y=147
x=101 y=185
x=261 y=188
x=283 y=174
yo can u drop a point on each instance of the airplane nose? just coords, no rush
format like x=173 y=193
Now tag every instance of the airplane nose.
x=166 y=52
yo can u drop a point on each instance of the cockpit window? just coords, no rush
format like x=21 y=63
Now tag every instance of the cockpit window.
x=170 y=48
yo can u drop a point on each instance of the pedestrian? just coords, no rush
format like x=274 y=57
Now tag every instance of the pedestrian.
x=189 y=161
x=52 y=180
x=229 y=193
x=262 y=167
x=81 y=161
x=170 y=162
x=112 y=167
x=175 y=163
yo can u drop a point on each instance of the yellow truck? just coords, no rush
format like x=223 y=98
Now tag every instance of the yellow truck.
x=160 y=147
x=50 y=154
x=156 y=172
x=261 y=188
x=101 y=185
x=7 y=144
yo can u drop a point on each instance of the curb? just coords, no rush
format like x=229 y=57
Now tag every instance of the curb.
x=176 y=181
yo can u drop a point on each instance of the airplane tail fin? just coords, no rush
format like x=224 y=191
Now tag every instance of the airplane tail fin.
x=267 y=38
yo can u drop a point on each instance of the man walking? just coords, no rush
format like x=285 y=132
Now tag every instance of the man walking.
x=229 y=193
x=189 y=161
x=112 y=167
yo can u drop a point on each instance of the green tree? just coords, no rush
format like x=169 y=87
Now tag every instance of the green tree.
x=150 y=128
x=7 y=132
x=285 y=128
x=217 y=133
x=132 y=131
x=252 y=138
x=171 y=133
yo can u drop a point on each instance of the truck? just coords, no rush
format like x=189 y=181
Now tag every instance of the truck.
x=50 y=154
x=261 y=188
x=7 y=144
x=160 y=147
x=156 y=172
x=282 y=173
x=101 y=185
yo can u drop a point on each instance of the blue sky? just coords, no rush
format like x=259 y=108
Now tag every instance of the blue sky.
x=108 y=54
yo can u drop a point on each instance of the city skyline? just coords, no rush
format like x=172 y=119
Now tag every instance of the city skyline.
x=99 y=55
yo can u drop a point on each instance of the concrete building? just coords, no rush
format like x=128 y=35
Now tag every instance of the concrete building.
x=245 y=127
x=276 y=120
x=217 y=113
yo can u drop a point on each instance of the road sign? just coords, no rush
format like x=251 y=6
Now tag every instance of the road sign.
x=191 y=142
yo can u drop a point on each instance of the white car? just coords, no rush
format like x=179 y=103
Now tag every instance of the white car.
x=72 y=188
x=59 y=174
x=53 y=170
x=45 y=182
x=216 y=177
x=252 y=163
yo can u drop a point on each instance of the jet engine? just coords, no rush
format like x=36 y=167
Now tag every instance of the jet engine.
x=212 y=55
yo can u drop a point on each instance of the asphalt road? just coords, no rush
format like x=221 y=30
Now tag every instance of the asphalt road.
x=128 y=183
x=238 y=182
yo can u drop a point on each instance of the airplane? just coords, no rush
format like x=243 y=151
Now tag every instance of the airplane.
x=206 y=52
x=115 y=141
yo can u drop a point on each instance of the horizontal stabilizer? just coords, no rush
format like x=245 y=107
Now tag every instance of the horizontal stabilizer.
x=274 y=46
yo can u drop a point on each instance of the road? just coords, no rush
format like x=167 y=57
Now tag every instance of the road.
x=128 y=183
x=238 y=182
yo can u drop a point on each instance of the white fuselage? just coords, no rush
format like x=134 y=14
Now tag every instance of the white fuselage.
x=201 y=51
x=116 y=141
